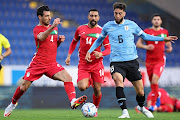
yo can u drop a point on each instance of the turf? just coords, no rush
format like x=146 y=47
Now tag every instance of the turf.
x=68 y=114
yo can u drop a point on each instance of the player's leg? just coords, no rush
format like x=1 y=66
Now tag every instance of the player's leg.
x=165 y=108
x=140 y=98
x=57 y=72
x=134 y=75
x=32 y=73
x=157 y=71
x=97 y=75
x=83 y=84
x=97 y=95
x=84 y=80
x=118 y=76
x=18 y=93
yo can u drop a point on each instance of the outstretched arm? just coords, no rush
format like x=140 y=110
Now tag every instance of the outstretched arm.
x=148 y=37
x=107 y=50
x=96 y=44
x=140 y=44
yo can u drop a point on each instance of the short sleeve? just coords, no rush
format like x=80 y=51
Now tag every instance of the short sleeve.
x=76 y=35
x=36 y=31
x=5 y=42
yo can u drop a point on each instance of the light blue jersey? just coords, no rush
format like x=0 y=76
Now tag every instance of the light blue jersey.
x=121 y=38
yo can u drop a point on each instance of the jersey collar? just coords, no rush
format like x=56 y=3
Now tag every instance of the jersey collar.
x=121 y=23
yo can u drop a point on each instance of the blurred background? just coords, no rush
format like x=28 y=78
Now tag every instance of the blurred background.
x=18 y=18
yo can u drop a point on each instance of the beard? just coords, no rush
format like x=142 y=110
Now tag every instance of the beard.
x=93 y=23
x=118 y=22
x=45 y=23
x=156 y=26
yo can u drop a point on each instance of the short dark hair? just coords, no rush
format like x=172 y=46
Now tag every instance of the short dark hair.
x=119 y=5
x=156 y=15
x=93 y=9
x=41 y=9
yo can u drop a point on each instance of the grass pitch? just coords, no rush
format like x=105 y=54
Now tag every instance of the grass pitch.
x=68 y=114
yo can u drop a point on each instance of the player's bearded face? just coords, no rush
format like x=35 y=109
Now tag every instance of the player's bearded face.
x=93 y=18
x=46 y=18
x=156 y=21
x=119 y=15
x=93 y=22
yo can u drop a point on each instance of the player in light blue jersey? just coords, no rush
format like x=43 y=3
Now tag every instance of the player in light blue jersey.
x=123 y=56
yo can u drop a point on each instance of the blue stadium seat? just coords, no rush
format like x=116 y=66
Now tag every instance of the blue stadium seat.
x=18 y=20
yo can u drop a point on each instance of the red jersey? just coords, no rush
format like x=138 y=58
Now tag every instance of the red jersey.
x=87 y=37
x=156 y=55
x=164 y=97
x=46 y=50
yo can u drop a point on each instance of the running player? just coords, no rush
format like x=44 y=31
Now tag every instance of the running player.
x=90 y=72
x=4 y=43
x=44 y=61
x=155 y=56
x=124 y=54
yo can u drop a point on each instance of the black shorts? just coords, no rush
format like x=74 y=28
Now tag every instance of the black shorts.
x=128 y=69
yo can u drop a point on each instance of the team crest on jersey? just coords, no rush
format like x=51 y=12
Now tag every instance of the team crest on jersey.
x=126 y=28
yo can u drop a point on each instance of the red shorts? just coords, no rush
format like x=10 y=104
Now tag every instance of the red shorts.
x=90 y=70
x=35 y=71
x=155 y=69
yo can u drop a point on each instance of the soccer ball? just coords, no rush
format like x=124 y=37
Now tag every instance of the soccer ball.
x=88 y=110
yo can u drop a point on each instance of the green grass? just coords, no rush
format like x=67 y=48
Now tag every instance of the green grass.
x=68 y=114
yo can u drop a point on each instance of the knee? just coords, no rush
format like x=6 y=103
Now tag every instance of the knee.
x=82 y=88
x=23 y=88
x=118 y=79
x=140 y=92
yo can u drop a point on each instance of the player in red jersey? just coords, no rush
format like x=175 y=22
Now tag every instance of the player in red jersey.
x=155 y=56
x=44 y=61
x=164 y=103
x=90 y=73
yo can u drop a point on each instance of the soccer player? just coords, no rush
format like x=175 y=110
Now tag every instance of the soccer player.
x=90 y=73
x=155 y=56
x=123 y=56
x=44 y=61
x=4 y=43
x=164 y=102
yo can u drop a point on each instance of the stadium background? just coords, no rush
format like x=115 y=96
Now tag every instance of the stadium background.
x=18 y=18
